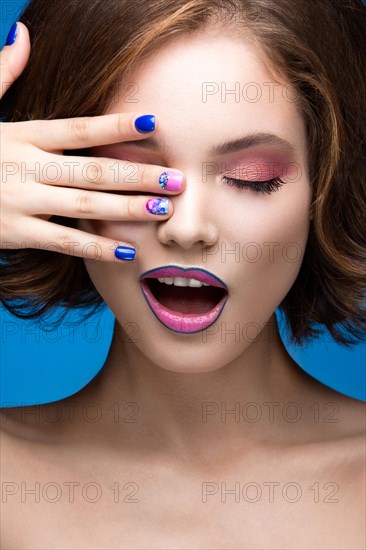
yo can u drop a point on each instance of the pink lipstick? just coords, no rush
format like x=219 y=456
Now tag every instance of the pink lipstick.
x=184 y=308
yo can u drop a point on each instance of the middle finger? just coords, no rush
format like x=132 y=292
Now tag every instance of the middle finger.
x=101 y=173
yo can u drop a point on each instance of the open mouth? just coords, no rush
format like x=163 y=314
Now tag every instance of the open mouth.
x=186 y=299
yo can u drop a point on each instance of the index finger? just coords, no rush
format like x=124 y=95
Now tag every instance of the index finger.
x=85 y=132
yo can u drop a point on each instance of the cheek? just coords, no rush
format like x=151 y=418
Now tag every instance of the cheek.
x=277 y=221
x=270 y=240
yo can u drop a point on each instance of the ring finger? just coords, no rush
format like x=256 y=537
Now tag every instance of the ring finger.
x=78 y=203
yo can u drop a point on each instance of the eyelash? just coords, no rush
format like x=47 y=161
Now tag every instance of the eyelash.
x=264 y=187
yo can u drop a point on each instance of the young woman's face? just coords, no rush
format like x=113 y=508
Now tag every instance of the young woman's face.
x=207 y=90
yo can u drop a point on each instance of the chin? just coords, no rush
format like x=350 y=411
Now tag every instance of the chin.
x=193 y=355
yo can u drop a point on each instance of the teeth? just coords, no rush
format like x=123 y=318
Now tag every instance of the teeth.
x=181 y=281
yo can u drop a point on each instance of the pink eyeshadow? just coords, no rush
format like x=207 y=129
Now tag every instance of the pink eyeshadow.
x=257 y=167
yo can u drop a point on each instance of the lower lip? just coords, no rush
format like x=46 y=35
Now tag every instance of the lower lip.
x=182 y=322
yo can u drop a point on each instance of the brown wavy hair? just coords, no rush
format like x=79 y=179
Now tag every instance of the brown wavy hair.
x=80 y=49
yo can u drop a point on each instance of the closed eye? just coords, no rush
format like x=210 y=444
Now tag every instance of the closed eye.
x=265 y=187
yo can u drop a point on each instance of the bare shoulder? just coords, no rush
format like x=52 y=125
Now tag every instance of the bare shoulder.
x=351 y=414
x=19 y=452
x=341 y=442
x=332 y=415
x=40 y=422
x=331 y=441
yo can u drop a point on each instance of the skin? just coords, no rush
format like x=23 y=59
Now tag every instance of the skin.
x=161 y=441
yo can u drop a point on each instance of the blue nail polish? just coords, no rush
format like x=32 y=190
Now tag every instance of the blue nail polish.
x=157 y=206
x=12 y=35
x=145 y=123
x=125 y=253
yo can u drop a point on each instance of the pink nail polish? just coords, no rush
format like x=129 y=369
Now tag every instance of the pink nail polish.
x=171 y=181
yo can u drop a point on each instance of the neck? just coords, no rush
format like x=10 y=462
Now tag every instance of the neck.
x=186 y=412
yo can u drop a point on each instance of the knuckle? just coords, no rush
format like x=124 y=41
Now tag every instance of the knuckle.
x=84 y=203
x=131 y=209
x=121 y=124
x=144 y=176
x=80 y=127
x=95 y=172
x=63 y=240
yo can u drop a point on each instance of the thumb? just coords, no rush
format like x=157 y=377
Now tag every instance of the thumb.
x=13 y=58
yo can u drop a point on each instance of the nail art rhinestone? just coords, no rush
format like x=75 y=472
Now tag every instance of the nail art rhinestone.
x=163 y=179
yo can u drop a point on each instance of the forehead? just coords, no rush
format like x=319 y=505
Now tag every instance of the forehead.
x=210 y=86
x=186 y=63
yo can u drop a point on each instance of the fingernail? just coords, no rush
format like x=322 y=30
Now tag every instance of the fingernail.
x=157 y=206
x=125 y=253
x=145 y=123
x=171 y=181
x=12 y=35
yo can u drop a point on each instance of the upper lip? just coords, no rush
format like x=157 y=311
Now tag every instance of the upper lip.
x=189 y=272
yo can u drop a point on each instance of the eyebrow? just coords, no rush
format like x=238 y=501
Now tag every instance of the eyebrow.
x=232 y=146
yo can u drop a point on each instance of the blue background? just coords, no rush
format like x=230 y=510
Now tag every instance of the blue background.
x=40 y=364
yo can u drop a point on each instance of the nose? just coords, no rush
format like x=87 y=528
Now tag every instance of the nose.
x=192 y=224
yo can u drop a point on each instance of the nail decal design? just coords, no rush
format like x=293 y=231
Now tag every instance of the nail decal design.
x=171 y=181
x=157 y=206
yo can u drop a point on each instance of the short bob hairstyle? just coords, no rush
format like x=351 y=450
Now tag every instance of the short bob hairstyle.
x=80 y=49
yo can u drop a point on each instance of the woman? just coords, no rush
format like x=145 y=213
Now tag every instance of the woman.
x=209 y=434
